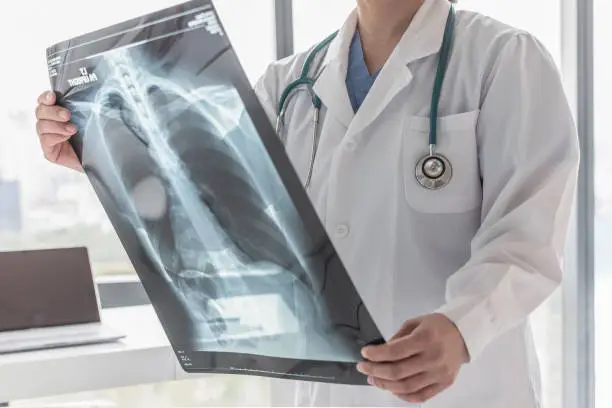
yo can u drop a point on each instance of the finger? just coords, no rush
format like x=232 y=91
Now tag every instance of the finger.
x=55 y=128
x=408 y=385
x=47 y=98
x=423 y=395
x=49 y=140
x=396 y=350
x=54 y=113
x=395 y=371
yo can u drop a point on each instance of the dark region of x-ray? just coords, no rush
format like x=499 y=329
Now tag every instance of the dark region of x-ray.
x=214 y=218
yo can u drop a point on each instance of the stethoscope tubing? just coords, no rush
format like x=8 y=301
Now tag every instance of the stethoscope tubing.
x=425 y=165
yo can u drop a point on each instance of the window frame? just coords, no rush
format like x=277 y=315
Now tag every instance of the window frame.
x=579 y=283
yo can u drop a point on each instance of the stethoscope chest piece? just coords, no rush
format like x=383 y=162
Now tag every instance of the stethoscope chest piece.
x=434 y=171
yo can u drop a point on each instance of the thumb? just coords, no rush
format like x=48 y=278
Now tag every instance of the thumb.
x=47 y=98
x=407 y=328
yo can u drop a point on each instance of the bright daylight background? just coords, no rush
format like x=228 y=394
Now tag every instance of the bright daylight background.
x=42 y=205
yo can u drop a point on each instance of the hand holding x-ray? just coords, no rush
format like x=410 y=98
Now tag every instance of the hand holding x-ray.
x=420 y=361
x=54 y=131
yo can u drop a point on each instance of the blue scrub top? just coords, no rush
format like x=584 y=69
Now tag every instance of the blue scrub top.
x=358 y=78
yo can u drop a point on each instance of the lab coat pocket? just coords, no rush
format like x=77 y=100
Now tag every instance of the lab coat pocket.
x=457 y=141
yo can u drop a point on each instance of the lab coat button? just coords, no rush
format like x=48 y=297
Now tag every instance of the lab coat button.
x=342 y=230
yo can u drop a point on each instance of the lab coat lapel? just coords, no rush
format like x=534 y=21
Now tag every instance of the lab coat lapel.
x=331 y=88
x=422 y=38
x=330 y=85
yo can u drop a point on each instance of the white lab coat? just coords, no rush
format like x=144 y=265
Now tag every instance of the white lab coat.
x=485 y=251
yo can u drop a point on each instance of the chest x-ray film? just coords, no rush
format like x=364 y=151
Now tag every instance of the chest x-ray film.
x=199 y=188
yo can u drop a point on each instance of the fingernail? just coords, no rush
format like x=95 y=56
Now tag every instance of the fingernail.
x=64 y=115
x=50 y=96
x=361 y=368
x=364 y=352
x=370 y=380
x=70 y=128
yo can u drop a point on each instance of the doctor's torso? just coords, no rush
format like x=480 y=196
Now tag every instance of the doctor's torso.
x=400 y=242
x=390 y=231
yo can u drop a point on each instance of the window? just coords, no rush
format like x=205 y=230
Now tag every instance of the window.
x=43 y=205
x=603 y=203
x=313 y=20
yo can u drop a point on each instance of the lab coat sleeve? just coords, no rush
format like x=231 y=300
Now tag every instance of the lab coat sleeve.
x=529 y=160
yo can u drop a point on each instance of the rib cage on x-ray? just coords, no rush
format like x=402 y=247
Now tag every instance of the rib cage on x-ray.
x=213 y=227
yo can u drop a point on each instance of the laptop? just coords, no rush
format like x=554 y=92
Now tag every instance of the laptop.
x=48 y=300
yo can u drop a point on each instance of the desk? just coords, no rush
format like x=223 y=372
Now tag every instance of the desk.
x=144 y=356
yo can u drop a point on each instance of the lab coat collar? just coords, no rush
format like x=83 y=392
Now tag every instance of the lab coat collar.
x=423 y=38
x=425 y=34
x=330 y=86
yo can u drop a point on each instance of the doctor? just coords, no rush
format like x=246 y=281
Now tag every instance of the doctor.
x=450 y=214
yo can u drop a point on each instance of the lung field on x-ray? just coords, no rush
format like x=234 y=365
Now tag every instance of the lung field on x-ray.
x=190 y=177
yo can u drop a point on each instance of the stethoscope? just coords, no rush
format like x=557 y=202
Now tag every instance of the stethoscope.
x=433 y=171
